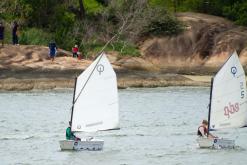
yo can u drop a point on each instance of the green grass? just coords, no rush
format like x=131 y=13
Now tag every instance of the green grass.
x=92 y=6
x=124 y=48
x=34 y=36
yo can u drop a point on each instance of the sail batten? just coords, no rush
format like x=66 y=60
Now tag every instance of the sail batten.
x=96 y=107
x=228 y=103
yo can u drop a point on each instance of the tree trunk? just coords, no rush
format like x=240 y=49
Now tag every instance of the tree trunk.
x=104 y=2
x=82 y=9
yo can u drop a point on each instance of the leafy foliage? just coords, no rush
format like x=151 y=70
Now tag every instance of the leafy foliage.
x=232 y=9
x=237 y=12
x=35 y=36
x=124 y=22
x=162 y=24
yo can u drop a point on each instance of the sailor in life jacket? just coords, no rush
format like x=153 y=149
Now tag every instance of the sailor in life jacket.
x=203 y=130
x=70 y=135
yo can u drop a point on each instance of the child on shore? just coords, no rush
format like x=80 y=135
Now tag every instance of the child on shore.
x=75 y=51
x=2 y=33
x=53 y=50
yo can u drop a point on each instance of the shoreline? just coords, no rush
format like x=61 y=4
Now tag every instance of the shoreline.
x=136 y=80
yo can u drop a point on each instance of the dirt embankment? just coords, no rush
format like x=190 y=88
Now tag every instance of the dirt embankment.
x=200 y=50
x=27 y=67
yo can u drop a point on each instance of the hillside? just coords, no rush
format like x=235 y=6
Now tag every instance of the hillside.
x=203 y=47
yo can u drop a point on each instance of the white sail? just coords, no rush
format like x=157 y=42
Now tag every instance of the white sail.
x=96 y=98
x=228 y=102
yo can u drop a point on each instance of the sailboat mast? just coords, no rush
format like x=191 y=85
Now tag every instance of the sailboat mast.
x=73 y=102
x=210 y=104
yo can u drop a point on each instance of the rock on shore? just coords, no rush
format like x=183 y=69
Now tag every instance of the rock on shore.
x=201 y=49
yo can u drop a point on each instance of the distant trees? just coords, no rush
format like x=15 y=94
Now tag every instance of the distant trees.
x=235 y=10
x=82 y=9
x=91 y=23
x=104 y=2
x=44 y=12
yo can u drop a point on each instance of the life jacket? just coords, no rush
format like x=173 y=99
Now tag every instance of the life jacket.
x=199 y=132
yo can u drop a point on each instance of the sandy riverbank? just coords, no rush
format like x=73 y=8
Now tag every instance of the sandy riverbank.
x=187 y=59
x=27 y=67
x=156 y=80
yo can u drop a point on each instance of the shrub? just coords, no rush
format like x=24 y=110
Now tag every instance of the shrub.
x=35 y=36
x=124 y=48
x=166 y=25
x=237 y=13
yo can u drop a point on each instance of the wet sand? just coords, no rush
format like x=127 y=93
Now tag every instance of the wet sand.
x=124 y=81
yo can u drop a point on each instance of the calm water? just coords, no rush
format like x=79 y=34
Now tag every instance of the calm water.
x=158 y=126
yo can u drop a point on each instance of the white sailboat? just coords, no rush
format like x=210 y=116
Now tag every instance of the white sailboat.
x=227 y=107
x=95 y=104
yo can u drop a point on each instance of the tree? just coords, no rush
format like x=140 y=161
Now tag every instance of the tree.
x=82 y=9
x=104 y=2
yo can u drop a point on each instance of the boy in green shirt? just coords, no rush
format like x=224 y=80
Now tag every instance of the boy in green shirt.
x=69 y=134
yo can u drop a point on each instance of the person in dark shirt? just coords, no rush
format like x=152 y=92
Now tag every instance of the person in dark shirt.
x=15 y=33
x=2 y=33
x=53 y=50
x=202 y=130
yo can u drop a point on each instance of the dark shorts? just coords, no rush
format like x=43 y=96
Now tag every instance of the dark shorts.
x=75 y=55
x=1 y=37
x=52 y=53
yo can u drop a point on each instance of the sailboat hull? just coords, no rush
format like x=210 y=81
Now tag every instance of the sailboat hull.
x=84 y=144
x=215 y=143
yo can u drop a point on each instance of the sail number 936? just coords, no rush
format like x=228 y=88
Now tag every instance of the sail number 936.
x=233 y=108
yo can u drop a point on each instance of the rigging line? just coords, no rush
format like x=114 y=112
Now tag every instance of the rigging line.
x=118 y=33
x=87 y=81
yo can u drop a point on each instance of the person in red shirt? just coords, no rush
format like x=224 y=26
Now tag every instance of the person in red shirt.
x=75 y=50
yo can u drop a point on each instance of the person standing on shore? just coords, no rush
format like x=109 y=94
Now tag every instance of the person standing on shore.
x=15 y=33
x=2 y=33
x=75 y=50
x=53 y=50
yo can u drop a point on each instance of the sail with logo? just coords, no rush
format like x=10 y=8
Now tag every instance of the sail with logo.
x=95 y=104
x=228 y=106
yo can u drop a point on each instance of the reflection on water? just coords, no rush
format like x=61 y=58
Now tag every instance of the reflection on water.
x=158 y=126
